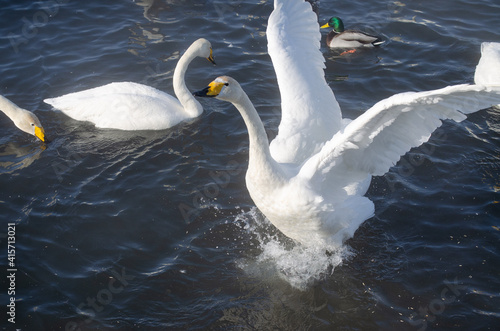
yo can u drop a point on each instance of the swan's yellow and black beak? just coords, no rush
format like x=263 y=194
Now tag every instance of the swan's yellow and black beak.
x=327 y=25
x=211 y=57
x=40 y=133
x=212 y=90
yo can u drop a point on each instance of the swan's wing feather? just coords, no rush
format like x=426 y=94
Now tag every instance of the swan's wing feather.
x=123 y=105
x=488 y=68
x=376 y=140
x=310 y=112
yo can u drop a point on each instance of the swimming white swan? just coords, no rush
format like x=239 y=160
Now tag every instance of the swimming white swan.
x=132 y=106
x=315 y=195
x=22 y=118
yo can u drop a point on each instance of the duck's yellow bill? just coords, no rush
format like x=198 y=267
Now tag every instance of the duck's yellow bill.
x=325 y=26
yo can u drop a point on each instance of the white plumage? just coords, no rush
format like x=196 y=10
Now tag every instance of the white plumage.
x=310 y=183
x=133 y=106
x=310 y=112
x=488 y=68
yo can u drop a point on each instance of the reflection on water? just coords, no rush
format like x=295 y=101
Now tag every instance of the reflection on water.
x=14 y=157
x=490 y=162
x=152 y=8
x=148 y=35
x=157 y=11
x=493 y=119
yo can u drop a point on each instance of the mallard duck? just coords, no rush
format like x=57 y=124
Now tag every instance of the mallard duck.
x=132 y=106
x=310 y=181
x=340 y=38
x=22 y=118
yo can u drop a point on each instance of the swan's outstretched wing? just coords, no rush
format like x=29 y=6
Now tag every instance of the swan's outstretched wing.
x=310 y=113
x=122 y=105
x=376 y=140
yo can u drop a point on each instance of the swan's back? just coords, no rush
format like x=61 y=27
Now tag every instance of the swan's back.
x=488 y=68
x=123 y=105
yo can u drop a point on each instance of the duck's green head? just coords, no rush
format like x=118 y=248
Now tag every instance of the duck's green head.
x=335 y=23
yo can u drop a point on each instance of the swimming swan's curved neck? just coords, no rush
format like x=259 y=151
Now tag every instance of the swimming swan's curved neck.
x=190 y=104
x=9 y=108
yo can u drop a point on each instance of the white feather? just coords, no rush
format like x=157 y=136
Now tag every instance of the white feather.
x=122 y=105
x=376 y=140
x=310 y=112
x=488 y=68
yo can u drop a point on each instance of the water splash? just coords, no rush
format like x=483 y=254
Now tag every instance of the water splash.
x=279 y=257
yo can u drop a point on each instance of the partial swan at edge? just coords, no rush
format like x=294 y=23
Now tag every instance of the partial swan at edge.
x=488 y=68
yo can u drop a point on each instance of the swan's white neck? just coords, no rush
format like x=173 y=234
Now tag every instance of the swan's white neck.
x=11 y=109
x=261 y=164
x=190 y=104
x=8 y=107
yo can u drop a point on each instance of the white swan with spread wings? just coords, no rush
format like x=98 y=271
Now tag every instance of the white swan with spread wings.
x=310 y=182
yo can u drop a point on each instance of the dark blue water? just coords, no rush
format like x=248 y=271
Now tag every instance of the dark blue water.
x=156 y=231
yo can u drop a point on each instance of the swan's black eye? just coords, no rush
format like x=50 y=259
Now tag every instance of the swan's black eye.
x=227 y=84
x=32 y=124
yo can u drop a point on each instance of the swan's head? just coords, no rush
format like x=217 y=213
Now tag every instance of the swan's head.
x=203 y=48
x=223 y=88
x=29 y=123
x=22 y=118
x=335 y=23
